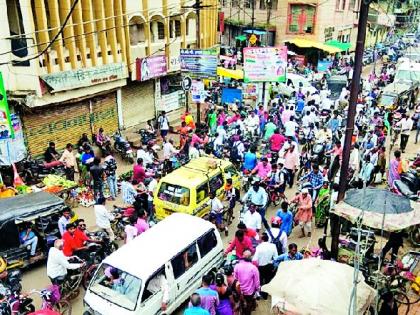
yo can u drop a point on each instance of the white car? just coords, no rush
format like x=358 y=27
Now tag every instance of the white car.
x=287 y=89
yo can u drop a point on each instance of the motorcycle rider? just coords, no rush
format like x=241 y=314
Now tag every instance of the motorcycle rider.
x=316 y=180
x=58 y=263
x=252 y=123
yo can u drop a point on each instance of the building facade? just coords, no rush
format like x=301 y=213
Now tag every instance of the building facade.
x=73 y=66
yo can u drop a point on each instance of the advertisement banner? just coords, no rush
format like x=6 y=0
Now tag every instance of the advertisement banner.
x=200 y=63
x=6 y=129
x=323 y=65
x=222 y=22
x=151 y=67
x=198 y=93
x=249 y=91
x=300 y=60
x=265 y=64
x=13 y=150
x=169 y=102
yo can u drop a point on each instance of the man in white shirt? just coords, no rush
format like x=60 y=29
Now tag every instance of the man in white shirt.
x=307 y=119
x=169 y=149
x=263 y=257
x=354 y=163
x=145 y=156
x=406 y=124
x=163 y=124
x=57 y=263
x=151 y=190
x=193 y=152
x=104 y=217
x=252 y=122
x=159 y=284
x=252 y=218
x=64 y=220
x=216 y=211
x=290 y=128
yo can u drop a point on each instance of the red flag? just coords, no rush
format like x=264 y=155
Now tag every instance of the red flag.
x=221 y=22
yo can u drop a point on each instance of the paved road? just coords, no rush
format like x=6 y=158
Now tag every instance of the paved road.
x=36 y=278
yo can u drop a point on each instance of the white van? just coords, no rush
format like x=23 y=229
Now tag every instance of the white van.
x=175 y=253
x=296 y=80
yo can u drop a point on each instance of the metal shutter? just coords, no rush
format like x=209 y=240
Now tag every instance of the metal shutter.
x=138 y=103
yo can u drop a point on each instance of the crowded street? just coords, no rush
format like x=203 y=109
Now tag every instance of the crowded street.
x=209 y=157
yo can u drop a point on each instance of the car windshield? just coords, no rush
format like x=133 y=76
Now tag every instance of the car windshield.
x=174 y=194
x=407 y=75
x=116 y=286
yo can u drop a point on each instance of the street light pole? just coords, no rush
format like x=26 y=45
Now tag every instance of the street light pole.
x=354 y=92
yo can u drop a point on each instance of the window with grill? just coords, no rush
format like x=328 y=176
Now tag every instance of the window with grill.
x=177 y=28
x=352 y=5
x=161 y=30
x=301 y=19
x=263 y=4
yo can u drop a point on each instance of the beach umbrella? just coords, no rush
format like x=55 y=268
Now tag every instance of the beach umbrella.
x=378 y=209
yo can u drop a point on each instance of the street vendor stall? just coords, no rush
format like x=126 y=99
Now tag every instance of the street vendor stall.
x=40 y=211
x=313 y=286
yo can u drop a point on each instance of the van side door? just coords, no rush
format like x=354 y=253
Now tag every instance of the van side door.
x=156 y=291
x=186 y=271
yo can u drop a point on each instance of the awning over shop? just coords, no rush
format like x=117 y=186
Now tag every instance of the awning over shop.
x=256 y=32
x=339 y=45
x=306 y=43
x=241 y=38
x=229 y=73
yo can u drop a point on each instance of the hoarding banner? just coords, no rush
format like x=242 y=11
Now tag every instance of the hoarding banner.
x=6 y=128
x=198 y=93
x=151 y=67
x=200 y=63
x=265 y=64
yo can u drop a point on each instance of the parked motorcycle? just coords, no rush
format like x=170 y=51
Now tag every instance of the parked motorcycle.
x=146 y=136
x=34 y=171
x=122 y=146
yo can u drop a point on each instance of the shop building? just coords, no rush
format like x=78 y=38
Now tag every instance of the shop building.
x=65 y=81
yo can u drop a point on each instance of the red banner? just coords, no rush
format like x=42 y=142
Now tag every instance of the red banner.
x=222 y=22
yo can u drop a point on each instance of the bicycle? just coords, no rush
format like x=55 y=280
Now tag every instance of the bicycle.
x=52 y=300
x=69 y=289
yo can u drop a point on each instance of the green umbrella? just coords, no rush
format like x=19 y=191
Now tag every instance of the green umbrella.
x=339 y=45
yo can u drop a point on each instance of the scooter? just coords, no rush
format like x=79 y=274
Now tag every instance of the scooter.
x=35 y=170
x=146 y=136
x=122 y=146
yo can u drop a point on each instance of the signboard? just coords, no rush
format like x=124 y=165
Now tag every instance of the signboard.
x=198 y=92
x=174 y=64
x=186 y=83
x=265 y=64
x=253 y=39
x=72 y=79
x=13 y=150
x=169 y=102
x=324 y=65
x=249 y=91
x=200 y=63
x=300 y=60
x=151 y=67
x=6 y=129
x=231 y=95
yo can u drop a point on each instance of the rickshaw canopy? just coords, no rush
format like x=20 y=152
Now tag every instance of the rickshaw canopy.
x=30 y=206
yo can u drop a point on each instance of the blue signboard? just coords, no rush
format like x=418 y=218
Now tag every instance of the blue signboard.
x=323 y=65
x=231 y=95
x=199 y=63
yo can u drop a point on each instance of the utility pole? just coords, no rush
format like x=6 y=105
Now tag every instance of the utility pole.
x=253 y=15
x=197 y=28
x=269 y=6
x=354 y=91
